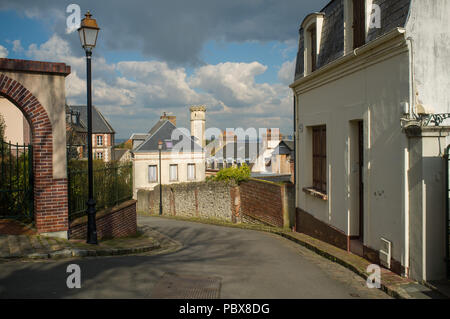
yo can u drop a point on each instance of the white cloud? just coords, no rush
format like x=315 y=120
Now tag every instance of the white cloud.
x=233 y=83
x=132 y=94
x=286 y=73
x=17 y=46
x=3 y=52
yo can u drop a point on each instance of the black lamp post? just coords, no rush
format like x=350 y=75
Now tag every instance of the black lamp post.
x=160 y=145
x=88 y=32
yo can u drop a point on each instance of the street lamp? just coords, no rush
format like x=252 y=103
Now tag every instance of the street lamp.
x=160 y=146
x=88 y=32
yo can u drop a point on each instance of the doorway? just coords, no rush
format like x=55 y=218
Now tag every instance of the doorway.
x=356 y=154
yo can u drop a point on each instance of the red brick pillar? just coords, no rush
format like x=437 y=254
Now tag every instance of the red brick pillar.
x=50 y=194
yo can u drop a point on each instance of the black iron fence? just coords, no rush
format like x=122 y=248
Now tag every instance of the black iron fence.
x=16 y=181
x=113 y=184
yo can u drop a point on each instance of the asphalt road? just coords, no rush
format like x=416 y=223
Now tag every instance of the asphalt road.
x=248 y=264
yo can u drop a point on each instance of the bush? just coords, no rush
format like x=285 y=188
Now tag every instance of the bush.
x=237 y=174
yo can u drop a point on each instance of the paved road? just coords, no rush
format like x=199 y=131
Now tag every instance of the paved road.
x=249 y=264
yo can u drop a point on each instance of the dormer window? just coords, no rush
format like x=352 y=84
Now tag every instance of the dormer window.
x=357 y=16
x=359 y=23
x=312 y=31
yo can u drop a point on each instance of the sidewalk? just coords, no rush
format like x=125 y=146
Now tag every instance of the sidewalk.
x=391 y=283
x=39 y=247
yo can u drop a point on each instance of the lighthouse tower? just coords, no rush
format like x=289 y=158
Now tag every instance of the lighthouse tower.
x=198 y=118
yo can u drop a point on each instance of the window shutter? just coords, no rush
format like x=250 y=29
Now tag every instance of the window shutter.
x=359 y=23
x=313 y=34
x=320 y=158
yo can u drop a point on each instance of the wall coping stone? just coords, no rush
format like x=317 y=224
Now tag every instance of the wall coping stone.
x=16 y=65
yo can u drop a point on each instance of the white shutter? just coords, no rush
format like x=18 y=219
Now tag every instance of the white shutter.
x=152 y=173
x=191 y=171
x=173 y=172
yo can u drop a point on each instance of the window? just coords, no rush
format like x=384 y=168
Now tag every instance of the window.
x=99 y=140
x=99 y=155
x=173 y=173
x=320 y=158
x=359 y=23
x=152 y=173
x=313 y=36
x=191 y=172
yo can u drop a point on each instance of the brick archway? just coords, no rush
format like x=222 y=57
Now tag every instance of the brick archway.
x=50 y=194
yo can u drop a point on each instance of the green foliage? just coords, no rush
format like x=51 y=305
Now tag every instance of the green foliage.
x=16 y=192
x=127 y=144
x=2 y=127
x=112 y=185
x=237 y=174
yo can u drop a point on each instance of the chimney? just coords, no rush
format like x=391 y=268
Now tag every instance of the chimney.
x=172 y=119
x=198 y=119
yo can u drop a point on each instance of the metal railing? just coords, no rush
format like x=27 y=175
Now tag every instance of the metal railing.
x=113 y=185
x=16 y=181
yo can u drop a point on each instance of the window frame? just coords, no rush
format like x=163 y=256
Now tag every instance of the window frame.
x=101 y=140
x=156 y=173
x=99 y=155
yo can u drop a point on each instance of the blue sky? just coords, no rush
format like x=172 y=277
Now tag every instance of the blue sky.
x=235 y=57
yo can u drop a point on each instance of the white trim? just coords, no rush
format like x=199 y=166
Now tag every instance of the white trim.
x=380 y=49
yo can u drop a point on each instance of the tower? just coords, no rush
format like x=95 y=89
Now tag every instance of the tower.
x=198 y=118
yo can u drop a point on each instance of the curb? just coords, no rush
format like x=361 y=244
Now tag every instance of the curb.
x=75 y=252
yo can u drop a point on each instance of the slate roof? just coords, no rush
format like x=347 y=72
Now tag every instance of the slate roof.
x=164 y=130
x=118 y=153
x=394 y=14
x=99 y=122
x=285 y=147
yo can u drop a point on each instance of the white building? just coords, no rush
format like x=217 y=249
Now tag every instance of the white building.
x=370 y=174
x=182 y=158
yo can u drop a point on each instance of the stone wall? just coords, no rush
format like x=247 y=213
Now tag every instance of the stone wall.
x=218 y=200
x=119 y=221
x=254 y=201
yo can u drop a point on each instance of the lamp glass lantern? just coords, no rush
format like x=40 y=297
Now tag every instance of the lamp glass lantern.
x=160 y=145
x=88 y=32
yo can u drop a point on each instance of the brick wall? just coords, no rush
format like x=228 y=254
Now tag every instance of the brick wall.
x=50 y=194
x=262 y=200
x=119 y=221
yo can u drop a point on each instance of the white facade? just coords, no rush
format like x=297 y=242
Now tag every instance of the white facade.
x=142 y=161
x=383 y=84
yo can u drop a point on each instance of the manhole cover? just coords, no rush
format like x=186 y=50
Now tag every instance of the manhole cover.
x=178 y=286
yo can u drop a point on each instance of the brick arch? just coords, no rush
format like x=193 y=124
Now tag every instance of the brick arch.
x=50 y=194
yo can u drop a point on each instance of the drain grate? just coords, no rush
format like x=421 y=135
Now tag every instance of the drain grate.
x=179 y=286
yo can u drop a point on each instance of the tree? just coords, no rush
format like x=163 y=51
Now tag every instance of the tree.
x=237 y=174
x=2 y=127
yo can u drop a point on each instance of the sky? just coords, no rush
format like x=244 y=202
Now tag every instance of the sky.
x=236 y=57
